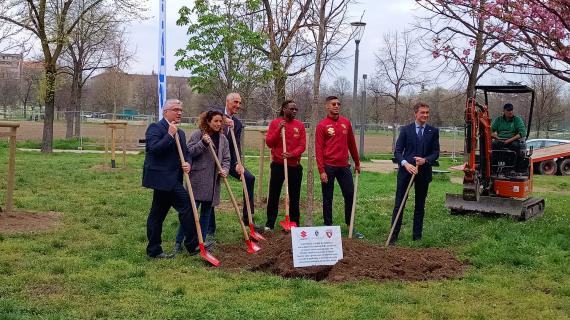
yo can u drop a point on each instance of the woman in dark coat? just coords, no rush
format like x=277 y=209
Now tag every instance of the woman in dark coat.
x=204 y=175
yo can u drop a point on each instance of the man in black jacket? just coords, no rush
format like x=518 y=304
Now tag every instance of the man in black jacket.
x=162 y=172
x=417 y=149
x=233 y=105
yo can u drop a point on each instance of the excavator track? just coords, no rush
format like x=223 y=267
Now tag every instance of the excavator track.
x=518 y=209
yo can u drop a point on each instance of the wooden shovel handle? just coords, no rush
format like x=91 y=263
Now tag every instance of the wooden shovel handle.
x=242 y=178
x=234 y=202
x=190 y=192
x=286 y=172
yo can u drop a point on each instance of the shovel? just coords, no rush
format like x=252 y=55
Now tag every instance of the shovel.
x=203 y=252
x=351 y=227
x=400 y=209
x=286 y=224
x=252 y=233
x=252 y=247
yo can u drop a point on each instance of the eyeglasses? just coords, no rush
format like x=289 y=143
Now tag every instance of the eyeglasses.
x=176 y=110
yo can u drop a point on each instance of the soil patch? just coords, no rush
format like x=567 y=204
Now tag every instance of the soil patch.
x=380 y=166
x=22 y=222
x=362 y=261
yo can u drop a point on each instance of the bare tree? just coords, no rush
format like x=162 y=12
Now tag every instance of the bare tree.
x=455 y=35
x=146 y=94
x=396 y=71
x=51 y=23
x=103 y=91
x=341 y=87
x=87 y=52
x=548 y=109
x=120 y=56
x=283 y=25
x=29 y=86
x=8 y=94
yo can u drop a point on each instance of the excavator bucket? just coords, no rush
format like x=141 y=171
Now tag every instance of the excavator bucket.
x=518 y=209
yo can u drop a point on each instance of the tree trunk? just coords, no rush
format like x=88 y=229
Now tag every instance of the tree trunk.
x=314 y=115
x=395 y=122
x=78 y=111
x=70 y=110
x=49 y=94
x=279 y=83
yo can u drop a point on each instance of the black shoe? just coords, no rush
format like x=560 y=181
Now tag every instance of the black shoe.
x=357 y=234
x=178 y=248
x=163 y=255
x=208 y=245
x=259 y=229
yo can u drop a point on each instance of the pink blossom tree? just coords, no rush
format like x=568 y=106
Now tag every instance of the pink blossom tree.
x=454 y=32
x=523 y=36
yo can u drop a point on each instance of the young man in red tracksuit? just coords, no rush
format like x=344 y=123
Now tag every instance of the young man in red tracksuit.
x=333 y=140
x=295 y=137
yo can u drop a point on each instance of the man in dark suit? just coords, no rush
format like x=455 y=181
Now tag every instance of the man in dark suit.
x=162 y=172
x=417 y=149
x=233 y=105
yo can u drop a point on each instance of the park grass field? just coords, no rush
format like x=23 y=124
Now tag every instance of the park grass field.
x=93 y=266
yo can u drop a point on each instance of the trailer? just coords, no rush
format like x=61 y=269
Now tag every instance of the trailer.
x=552 y=160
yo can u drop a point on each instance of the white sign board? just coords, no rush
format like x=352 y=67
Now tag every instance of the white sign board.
x=316 y=246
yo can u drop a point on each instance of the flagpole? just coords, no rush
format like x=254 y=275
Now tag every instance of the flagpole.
x=162 y=58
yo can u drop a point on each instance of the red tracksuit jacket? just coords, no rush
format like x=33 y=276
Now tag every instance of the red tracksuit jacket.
x=295 y=137
x=333 y=140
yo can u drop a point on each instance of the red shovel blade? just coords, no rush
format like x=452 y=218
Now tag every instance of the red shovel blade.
x=254 y=234
x=208 y=256
x=252 y=247
x=286 y=224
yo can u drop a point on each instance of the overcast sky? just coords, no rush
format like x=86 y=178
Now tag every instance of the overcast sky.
x=381 y=16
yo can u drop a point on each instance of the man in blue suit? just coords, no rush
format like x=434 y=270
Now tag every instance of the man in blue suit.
x=417 y=149
x=162 y=172
x=233 y=105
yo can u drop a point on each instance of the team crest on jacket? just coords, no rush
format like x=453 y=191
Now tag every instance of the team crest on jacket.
x=344 y=131
x=330 y=131
x=296 y=132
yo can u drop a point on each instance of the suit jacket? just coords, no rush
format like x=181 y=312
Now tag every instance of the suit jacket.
x=238 y=128
x=409 y=146
x=162 y=168
x=204 y=175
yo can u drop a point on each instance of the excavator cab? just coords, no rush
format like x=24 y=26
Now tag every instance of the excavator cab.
x=497 y=178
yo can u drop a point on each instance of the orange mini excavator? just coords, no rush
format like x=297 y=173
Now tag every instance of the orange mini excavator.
x=496 y=181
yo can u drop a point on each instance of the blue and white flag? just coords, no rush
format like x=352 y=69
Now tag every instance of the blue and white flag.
x=162 y=58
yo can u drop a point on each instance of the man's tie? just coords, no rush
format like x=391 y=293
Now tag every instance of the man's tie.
x=420 y=132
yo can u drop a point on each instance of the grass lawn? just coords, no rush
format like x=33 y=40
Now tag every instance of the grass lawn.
x=94 y=265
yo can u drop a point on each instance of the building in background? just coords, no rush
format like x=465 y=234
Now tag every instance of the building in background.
x=11 y=66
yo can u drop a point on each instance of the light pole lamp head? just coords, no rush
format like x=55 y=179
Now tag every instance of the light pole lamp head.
x=358 y=30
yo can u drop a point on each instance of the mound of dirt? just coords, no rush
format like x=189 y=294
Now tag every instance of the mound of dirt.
x=362 y=261
x=22 y=222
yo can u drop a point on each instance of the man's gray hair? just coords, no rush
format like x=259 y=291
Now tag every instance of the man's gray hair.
x=171 y=103
x=232 y=95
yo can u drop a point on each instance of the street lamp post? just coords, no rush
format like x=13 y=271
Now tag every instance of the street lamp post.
x=362 y=117
x=358 y=30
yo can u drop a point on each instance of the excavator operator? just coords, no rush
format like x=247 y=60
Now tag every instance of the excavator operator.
x=507 y=132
